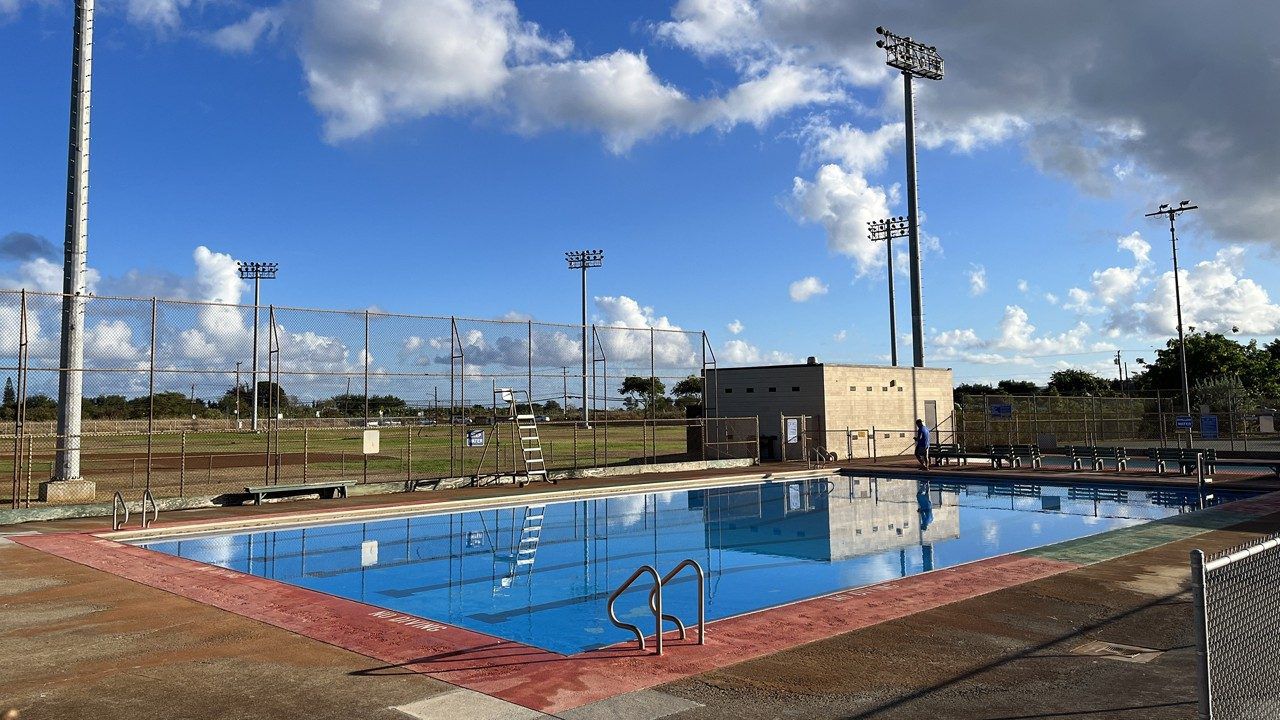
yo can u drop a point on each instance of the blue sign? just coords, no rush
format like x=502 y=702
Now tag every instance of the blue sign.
x=1001 y=411
x=1209 y=427
x=1183 y=422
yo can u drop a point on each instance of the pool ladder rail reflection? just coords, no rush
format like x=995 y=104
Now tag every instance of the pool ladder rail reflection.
x=655 y=603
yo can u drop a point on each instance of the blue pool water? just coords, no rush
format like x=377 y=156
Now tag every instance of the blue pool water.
x=762 y=545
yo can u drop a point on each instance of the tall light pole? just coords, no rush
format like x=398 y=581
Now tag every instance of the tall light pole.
x=257 y=272
x=67 y=485
x=1172 y=213
x=581 y=260
x=885 y=231
x=914 y=60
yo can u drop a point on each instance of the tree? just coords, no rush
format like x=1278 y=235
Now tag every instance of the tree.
x=1018 y=387
x=688 y=391
x=972 y=391
x=1074 y=382
x=10 y=397
x=1213 y=355
x=648 y=393
x=551 y=406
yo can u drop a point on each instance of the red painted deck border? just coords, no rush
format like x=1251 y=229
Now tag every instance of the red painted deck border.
x=526 y=675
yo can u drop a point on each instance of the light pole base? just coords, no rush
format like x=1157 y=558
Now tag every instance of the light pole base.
x=59 y=492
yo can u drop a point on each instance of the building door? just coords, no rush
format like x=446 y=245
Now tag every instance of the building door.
x=931 y=419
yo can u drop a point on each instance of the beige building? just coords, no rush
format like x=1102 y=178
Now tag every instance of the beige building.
x=834 y=406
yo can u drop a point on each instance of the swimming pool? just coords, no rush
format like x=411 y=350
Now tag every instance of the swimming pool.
x=541 y=575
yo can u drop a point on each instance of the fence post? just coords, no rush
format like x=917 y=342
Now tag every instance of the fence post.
x=408 y=459
x=182 y=466
x=151 y=390
x=306 y=450
x=1203 y=676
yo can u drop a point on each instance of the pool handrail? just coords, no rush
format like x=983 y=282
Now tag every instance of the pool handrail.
x=657 y=586
x=702 y=599
x=117 y=502
x=147 y=497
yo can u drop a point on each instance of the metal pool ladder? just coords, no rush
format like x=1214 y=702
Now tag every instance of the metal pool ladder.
x=655 y=603
x=118 y=504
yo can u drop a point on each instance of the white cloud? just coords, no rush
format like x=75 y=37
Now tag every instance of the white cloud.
x=735 y=327
x=840 y=335
x=843 y=203
x=741 y=352
x=977 y=280
x=624 y=336
x=165 y=16
x=243 y=36
x=1023 y=286
x=805 y=288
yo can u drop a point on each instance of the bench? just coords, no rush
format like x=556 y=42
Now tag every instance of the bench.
x=1030 y=452
x=1185 y=458
x=1000 y=454
x=1078 y=454
x=326 y=490
x=943 y=454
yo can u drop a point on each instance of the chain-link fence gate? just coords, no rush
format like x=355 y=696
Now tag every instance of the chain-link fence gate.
x=1237 y=627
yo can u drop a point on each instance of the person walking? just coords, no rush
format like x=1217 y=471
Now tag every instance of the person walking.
x=922 y=445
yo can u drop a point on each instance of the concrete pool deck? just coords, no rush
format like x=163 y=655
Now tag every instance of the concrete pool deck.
x=81 y=642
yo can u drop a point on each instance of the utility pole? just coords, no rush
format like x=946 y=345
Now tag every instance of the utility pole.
x=914 y=59
x=256 y=271
x=581 y=260
x=885 y=231
x=1172 y=213
x=66 y=484
x=564 y=409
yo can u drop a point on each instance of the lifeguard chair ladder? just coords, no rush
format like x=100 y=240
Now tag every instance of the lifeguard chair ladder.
x=526 y=423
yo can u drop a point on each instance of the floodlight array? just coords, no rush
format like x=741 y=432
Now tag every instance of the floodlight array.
x=888 y=228
x=257 y=270
x=581 y=259
x=910 y=56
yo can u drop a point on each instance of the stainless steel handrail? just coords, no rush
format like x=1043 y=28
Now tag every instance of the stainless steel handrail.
x=657 y=608
x=147 y=497
x=702 y=599
x=117 y=502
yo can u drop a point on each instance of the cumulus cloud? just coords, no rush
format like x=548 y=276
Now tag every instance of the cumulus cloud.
x=243 y=36
x=741 y=352
x=840 y=335
x=843 y=203
x=165 y=16
x=735 y=327
x=805 y=288
x=1015 y=341
x=1023 y=286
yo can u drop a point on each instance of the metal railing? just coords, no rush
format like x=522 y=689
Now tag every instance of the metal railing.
x=1237 y=628
x=655 y=603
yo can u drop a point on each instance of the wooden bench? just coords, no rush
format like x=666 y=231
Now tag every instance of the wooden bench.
x=1185 y=458
x=1030 y=452
x=327 y=490
x=943 y=454
x=1000 y=454
x=1078 y=454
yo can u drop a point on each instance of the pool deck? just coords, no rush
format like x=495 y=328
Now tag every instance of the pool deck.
x=87 y=632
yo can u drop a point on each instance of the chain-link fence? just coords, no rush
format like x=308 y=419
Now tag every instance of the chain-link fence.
x=197 y=398
x=1224 y=423
x=1237 y=616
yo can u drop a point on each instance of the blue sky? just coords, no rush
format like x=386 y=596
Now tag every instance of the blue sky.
x=428 y=156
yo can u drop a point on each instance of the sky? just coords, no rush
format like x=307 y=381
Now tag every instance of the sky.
x=439 y=156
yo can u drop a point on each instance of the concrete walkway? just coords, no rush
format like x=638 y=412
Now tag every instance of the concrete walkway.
x=82 y=643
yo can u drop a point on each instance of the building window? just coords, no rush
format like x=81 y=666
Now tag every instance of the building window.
x=853 y=388
x=899 y=388
x=795 y=388
x=773 y=389
x=751 y=390
x=869 y=388
x=728 y=390
x=884 y=389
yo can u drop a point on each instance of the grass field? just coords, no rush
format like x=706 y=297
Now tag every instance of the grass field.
x=203 y=463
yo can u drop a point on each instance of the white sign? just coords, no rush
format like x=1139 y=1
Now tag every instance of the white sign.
x=475 y=438
x=793 y=430
x=370 y=442
x=368 y=553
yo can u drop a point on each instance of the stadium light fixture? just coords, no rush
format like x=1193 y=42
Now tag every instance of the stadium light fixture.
x=257 y=272
x=914 y=59
x=885 y=231
x=583 y=260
